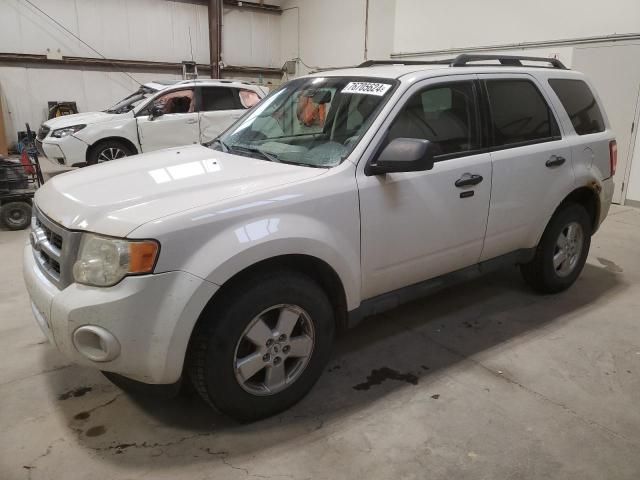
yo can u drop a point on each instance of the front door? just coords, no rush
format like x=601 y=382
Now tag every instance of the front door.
x=419 y=225
x=178 y=124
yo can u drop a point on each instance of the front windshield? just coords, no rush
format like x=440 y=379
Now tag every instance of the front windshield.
x=314 y=122
x=132 y=101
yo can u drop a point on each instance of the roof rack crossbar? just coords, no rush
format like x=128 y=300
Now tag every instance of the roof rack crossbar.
x=505 y=60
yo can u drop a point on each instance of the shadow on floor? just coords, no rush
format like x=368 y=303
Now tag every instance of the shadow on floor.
x=408 y=346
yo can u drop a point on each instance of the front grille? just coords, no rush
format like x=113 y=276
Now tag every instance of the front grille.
x=43 y=132
x=54 y=248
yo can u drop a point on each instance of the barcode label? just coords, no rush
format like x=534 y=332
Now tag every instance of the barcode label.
x=367 y=88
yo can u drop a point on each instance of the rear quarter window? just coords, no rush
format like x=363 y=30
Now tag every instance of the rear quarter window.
x=581 y=106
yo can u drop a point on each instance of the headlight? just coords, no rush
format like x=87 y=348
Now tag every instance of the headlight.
x=103 y=261
x=63 y=132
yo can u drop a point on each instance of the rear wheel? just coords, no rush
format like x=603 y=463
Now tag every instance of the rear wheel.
x=562 y=251
x=15 y=215
x=263 y=347
x=108 y=150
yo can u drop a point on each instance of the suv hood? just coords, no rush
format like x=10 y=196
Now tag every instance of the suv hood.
x=81 y=118
x=115 y=198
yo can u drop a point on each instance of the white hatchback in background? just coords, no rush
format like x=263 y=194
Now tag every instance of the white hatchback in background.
x=341 y=195
x=156 y=116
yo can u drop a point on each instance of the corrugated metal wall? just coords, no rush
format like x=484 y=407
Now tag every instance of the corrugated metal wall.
x=150 y=30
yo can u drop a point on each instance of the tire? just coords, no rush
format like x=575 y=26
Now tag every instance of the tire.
x=221 y=338
x=542 y=273
x=108 y=150
x=15 y=215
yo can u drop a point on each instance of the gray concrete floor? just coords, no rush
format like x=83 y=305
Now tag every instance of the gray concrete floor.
x=486 y=381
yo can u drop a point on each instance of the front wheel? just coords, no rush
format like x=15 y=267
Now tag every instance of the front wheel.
x=107 y=151
x=562 y=251
x=263 y=346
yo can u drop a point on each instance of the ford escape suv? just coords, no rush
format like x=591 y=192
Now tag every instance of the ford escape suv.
x=342 y=194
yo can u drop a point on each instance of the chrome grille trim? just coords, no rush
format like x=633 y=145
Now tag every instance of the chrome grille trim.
x=54 y=249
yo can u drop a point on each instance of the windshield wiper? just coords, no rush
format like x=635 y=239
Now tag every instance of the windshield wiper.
x=266 y=155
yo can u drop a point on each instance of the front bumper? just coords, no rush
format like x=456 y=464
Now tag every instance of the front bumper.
x=150 y=316
x=67 y=150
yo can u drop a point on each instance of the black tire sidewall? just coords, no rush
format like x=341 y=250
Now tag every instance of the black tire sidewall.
x=5 y=215
x=99 y=147
x=571 y=213
x=231 y=320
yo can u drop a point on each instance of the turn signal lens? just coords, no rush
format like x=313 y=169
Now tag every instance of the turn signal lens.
x=142 y=256
x=613 y=156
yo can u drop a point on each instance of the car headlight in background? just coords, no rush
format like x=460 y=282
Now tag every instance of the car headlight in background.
x=104 y=261
x=63 y=132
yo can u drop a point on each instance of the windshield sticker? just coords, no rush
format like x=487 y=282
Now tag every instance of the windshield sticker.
x=367 y=88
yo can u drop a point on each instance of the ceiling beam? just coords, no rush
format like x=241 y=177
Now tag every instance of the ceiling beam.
x=122 y=65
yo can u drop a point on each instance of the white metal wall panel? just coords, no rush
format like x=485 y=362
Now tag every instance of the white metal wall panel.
x=127 y=29
x=251 y=38
x=429 y=25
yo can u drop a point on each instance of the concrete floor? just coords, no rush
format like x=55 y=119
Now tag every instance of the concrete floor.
x=487 y=381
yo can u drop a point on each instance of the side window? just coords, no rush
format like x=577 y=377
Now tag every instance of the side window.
x=218 y=98
x=520 y=113
x=580 y=104
x=446 y=114
x=180 y=101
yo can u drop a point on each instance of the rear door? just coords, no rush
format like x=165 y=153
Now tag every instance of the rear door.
x=219 y=108
x=178 y=125
x=531 y=160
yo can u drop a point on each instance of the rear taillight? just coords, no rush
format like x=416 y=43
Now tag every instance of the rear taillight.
x=613 y=156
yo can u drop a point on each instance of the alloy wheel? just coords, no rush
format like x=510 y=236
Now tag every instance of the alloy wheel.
x=274 y=349
x=568 y=249
x=111 y=153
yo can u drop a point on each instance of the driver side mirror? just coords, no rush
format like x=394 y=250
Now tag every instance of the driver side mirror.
x=403 y=155
x=156 y=111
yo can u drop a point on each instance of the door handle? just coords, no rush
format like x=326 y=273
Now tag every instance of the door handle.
x=191 y=121
x=555 y=161
x=468 y=180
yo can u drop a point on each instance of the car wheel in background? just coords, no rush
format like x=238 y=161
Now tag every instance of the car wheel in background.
x=108 y=150
x=15 y=215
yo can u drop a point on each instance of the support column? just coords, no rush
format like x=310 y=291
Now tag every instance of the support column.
x=215 y=36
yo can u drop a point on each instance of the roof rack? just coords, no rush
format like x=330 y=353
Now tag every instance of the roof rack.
x=505 y=60
x=464 y=60
x=373 y=63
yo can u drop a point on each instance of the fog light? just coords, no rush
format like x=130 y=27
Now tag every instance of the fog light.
x=96 y=343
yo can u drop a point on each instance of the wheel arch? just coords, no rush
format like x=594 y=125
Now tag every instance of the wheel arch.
x=589 y=198
x=309 y=265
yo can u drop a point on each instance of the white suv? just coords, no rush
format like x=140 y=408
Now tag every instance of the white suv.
x=342 y=194
x=156 y=116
